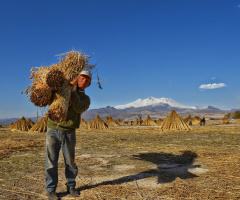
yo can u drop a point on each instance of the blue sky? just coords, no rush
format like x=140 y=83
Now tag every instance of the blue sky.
x=186 y=50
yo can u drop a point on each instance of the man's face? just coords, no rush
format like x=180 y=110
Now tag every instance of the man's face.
x=83 y=82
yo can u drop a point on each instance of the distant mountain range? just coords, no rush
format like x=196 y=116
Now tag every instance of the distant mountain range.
x=154 y=107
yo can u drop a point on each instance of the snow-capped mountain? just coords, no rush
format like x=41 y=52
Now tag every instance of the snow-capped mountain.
x=152 y=101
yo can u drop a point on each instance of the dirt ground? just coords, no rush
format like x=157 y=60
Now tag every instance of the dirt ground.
x=129 y=163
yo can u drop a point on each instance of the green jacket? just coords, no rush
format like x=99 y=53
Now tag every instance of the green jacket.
x=80 y=102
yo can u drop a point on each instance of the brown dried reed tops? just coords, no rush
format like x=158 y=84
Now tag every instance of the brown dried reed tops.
x=40 y=126
x=41 y=96
x=97 y=123
x=174 y=122
x=55 y=79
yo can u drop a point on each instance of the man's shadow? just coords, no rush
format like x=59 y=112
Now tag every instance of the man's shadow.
x=169 y=167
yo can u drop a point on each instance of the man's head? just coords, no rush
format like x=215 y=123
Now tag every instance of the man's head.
x=84 y=80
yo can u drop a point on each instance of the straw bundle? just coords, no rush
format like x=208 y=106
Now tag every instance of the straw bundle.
x=106 y=120
x=138 y=121
x=188 y=119
x=41 y=97
x=148 y=122
x=57 y=78
x=30 y=123
x=111 y=122
x=83 y=123
x=174 y=122
x=159 y=121
x=20 y=124
x=74 y=63
x=224 y=121
x=196 y=121
x=58 y=109
x=120 y=123
x=40 y=126
x=97 y=123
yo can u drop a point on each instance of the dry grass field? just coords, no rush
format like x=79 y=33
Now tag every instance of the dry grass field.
x=129 y=163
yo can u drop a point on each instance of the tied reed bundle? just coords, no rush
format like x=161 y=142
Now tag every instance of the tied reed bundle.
x=41 y=96
x=40 y=126
x=97 y=123
x=55 y=79
x=55 y=83
x=58 y=109
x=174 y=122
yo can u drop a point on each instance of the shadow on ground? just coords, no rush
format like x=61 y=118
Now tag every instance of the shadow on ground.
x=169 y=167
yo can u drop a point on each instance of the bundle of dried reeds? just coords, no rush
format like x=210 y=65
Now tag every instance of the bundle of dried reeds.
x=159 y=121
x=20 y=125
x=73 y=63
x=58 y=109
x=224 y=121
x=196 y=121
x=138 y=121
x=40 y=126
x=97 y=123
x=174 y=122
x=111 y=122
x=83 y=123
x=41 y=96
x=188 y=119
x=120 y=123
x=30 y=123
x=57 y=78
x=148 y=122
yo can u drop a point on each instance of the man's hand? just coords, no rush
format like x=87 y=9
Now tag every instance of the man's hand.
x=74 y=86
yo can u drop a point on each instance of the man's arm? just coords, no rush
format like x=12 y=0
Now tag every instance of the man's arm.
x=80 y=101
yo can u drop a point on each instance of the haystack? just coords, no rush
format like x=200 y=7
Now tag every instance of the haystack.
x=52 y=85
x=83 y=123
x=224 y=121
x=188 y=119
x=106 y=120
x=97 y=123
x=111 y=122
x=159 y=121
x=20 y=125
x=138 y=121
x=40 y=126
x=148 y=122
x=30 y=123
x=174 y=122
x=120 y=123
x=196 y=121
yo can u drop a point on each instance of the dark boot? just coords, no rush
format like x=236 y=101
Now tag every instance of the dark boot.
x=73 y=192
x=52 y=196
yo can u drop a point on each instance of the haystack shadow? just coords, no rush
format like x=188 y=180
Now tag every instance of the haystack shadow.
x=169 y=167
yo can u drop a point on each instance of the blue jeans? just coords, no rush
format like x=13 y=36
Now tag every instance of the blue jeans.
x=54 y=140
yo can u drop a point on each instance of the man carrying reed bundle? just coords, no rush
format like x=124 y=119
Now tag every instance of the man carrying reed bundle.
x=63 y=134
